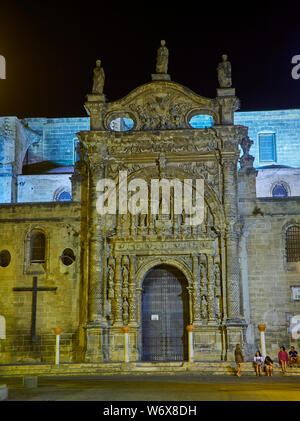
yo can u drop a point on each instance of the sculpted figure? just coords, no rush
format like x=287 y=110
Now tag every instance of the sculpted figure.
x=224 y=73
x=246 y=144
x=99 y=78
x=203 y=307
x=162 y=58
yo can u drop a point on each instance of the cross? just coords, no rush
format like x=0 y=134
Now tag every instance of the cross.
x=34 y=291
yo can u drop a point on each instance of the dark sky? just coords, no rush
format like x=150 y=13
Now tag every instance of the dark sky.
x=51 y=48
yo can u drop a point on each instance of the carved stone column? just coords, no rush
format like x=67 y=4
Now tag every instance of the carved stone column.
x=210 y=291
x=132 y=295
x=118 y=296
x=96 y=319
x=95 y=293
x=196 y=297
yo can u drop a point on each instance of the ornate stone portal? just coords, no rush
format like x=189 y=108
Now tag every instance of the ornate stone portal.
x=119 y=250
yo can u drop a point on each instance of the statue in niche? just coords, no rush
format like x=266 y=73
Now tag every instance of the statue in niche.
x=125 y=310
x=110 y=282
x=224 y=73
x=203 y=278
x=99 y=78
x=111 y=275
x=125 y=282
x=203 y=307
x=162 y=58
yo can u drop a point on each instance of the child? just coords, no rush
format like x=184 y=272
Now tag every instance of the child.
x=258 y=362
x=268 y=366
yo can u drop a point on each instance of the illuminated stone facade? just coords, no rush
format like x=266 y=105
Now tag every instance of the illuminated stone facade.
x=234 y=262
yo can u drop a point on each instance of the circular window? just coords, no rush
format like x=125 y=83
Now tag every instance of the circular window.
x=121 y=124
x=200 y=121
x=279 y=191
x=4 y=258
x=67 y=257
x=64 y=196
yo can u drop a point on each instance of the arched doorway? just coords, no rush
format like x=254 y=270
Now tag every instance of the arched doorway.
x=165 y=315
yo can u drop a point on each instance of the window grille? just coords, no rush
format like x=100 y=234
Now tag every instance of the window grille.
x=293 y=244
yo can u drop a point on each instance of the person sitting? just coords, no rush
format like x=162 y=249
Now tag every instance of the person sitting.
x=258 y=362
x=293 y=357
x=283 y=358
x=268 y=366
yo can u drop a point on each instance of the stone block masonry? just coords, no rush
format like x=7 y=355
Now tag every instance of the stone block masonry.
x=61 y=224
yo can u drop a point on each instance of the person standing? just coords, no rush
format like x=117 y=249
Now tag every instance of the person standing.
x=258 y=362
x=268 y=366
x=283 y=358
x=239 y=359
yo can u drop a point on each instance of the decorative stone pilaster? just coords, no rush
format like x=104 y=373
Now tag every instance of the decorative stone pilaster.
x=210 y=291
x=95 y=107
x=232 y=241
x=229 y=103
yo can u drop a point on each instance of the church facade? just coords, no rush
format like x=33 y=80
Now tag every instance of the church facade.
x=65 y=265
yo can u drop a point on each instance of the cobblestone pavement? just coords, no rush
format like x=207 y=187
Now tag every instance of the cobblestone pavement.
x=156 y=388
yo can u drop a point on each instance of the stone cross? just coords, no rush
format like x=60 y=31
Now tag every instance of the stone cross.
x=2 y=328
x=35 y=289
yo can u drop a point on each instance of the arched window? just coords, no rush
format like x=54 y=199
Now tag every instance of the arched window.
x=37 y=247
x=279 y=191
x=4 y=258
x=292 y=244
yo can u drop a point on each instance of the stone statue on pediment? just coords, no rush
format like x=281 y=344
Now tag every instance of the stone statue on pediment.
x=99 y=78
x=224 y=73
x=162 y=58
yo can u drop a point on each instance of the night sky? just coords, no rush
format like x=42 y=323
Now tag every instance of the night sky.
x=51 y=49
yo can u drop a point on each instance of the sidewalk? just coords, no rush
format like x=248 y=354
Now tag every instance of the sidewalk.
x=178 y=388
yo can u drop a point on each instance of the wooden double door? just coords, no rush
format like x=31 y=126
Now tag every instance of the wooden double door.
x=165 y=315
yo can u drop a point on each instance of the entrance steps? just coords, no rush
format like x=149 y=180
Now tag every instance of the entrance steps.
x=203 y=368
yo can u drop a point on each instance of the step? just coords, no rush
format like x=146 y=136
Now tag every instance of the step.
x=80 y=369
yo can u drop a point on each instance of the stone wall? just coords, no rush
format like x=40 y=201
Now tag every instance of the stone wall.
x=42 y=188
x=61 y=225
x=267 y=178
x=266 y=276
